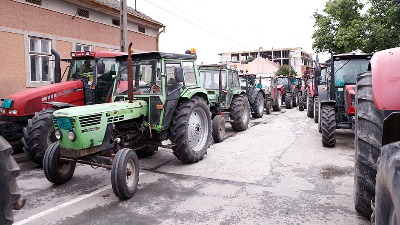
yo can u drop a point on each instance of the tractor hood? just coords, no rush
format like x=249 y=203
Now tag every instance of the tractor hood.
x=88 y=124
x=32 y=100
x=386 y=79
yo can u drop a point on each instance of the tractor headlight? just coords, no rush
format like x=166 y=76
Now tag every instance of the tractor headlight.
x=71 y=135
x=58 y=134
x=13 y=111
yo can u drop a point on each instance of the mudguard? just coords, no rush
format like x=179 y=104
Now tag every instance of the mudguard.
x=386 y=79
x=322 y=93
x=190 y=92
x=59 y=105
x=391 y=128
x=328 y=102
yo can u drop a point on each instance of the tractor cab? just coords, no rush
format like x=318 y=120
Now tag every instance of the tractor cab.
x=97 y=71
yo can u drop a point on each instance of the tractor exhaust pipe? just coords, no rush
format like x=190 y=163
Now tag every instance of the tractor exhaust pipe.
x=332 y=84
x=220 y=88
x=57 y=67
x=130 y=74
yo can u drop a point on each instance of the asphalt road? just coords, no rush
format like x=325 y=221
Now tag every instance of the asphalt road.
x=276 y=172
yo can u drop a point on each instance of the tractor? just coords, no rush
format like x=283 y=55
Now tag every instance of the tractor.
x=285 y=86
x=316 y=82
x=273 y=94
x=28 y=114
x=299 y=88
x=227 y=100
x=337 y=99
x=157 y=97
x=256 y=95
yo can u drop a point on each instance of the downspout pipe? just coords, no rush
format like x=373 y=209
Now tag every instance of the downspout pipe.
x=158 y=38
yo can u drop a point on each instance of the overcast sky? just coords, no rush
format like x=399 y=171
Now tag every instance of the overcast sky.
x=216 y=26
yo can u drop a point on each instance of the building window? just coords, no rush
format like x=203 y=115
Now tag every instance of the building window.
x=142 y=29
x=82 y=13
x=39 y=57
x=83 y=47
x=36 y=2
x=115 y=22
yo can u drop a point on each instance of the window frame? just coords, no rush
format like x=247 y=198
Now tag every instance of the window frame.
x=39 y=53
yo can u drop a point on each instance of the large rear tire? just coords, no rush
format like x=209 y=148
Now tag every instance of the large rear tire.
x=39 y=135
x=240 y=113
x=57 y=171
x=218 y=128
x=278 y=102
x=387 y=199
x=316 y=109
x=310 y=107
x=295 y=98
x=328 y=126
x=301 y=101
x=258 y=106
x=125 y=174
x=9 y=191
x=191 y=130
x=288 y=100
x=368 y=142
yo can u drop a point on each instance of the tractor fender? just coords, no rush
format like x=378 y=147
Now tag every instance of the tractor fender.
x=189 y=93
x=59 y=105
x=391 y=128
x=328 y=102
x=385 y=69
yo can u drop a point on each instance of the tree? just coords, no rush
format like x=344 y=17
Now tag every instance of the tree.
x=383 y=27
x=284 y=71
x=340 y=28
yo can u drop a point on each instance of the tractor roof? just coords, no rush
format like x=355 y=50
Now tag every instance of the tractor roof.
x=350 y=56
x=158 y=55
x=214 y=66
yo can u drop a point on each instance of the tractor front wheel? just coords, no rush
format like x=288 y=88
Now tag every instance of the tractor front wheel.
x=289 y=100
x=268 y=107
x=295 y=98
x=328 y=126
x=310 y=107
x=301 y=102
x=191 y=130
x=57 y=171
x=240 y=113
x=218 y=128
x=258 y=106
x=39 y=135
x=316 y=109
x=278 y=102
x=125 y=174
x=9 y=191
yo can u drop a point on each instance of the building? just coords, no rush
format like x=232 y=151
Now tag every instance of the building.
x=29 y=29
x=299 y=59
x=259 y=66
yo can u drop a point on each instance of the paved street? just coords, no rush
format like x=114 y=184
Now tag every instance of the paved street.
x=276 y=172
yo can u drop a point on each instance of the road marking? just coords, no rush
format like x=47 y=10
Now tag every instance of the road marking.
x=44 y=213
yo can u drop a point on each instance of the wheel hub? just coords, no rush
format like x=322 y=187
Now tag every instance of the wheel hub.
x=196 y=129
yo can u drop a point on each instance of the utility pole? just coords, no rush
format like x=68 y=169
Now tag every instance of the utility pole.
x=123 y=27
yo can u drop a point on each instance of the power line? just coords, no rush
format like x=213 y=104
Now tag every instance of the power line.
x=202 y=25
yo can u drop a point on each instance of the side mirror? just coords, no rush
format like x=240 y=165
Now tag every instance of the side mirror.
x=178 y=71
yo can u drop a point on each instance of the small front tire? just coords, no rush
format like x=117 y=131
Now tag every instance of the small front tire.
x=125 y=174
x=218 y=128
x=57 y=171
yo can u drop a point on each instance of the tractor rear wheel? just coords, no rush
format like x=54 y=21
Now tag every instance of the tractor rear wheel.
x=218 y=128
x=328 y=126
x=368 y=142
x=278 y=102
x=295 y=98
x=387 y=204
x=316 y=109
x=310 y=107
x=125 y=173
x=57 y=171
x=39 y=135
x=240 y=113
x=190 y=130
x=288 y=100
x=301 y=101
x=9 y=191
x=258 y=106
x=268 y=107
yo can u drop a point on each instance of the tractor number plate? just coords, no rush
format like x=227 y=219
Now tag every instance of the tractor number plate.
x=6 y=103
x=64 y=123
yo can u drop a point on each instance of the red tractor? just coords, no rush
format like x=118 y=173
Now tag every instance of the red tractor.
x=318 y=80
x=377 y=140
x=28 y=114
x=337 y=99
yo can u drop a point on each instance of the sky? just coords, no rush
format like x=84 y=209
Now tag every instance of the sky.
x=217 y=26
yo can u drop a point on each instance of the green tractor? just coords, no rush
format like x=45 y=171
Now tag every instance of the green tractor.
x=255 y=93
x=227 y=100
x=156 y=97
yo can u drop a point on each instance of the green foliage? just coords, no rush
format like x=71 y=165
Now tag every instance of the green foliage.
x=342 y=28
x=250 y=59
x=284 y=71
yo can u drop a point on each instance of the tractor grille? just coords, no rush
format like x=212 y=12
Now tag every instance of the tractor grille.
x=115 y=119
x=55 y=123
x=90 y=120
